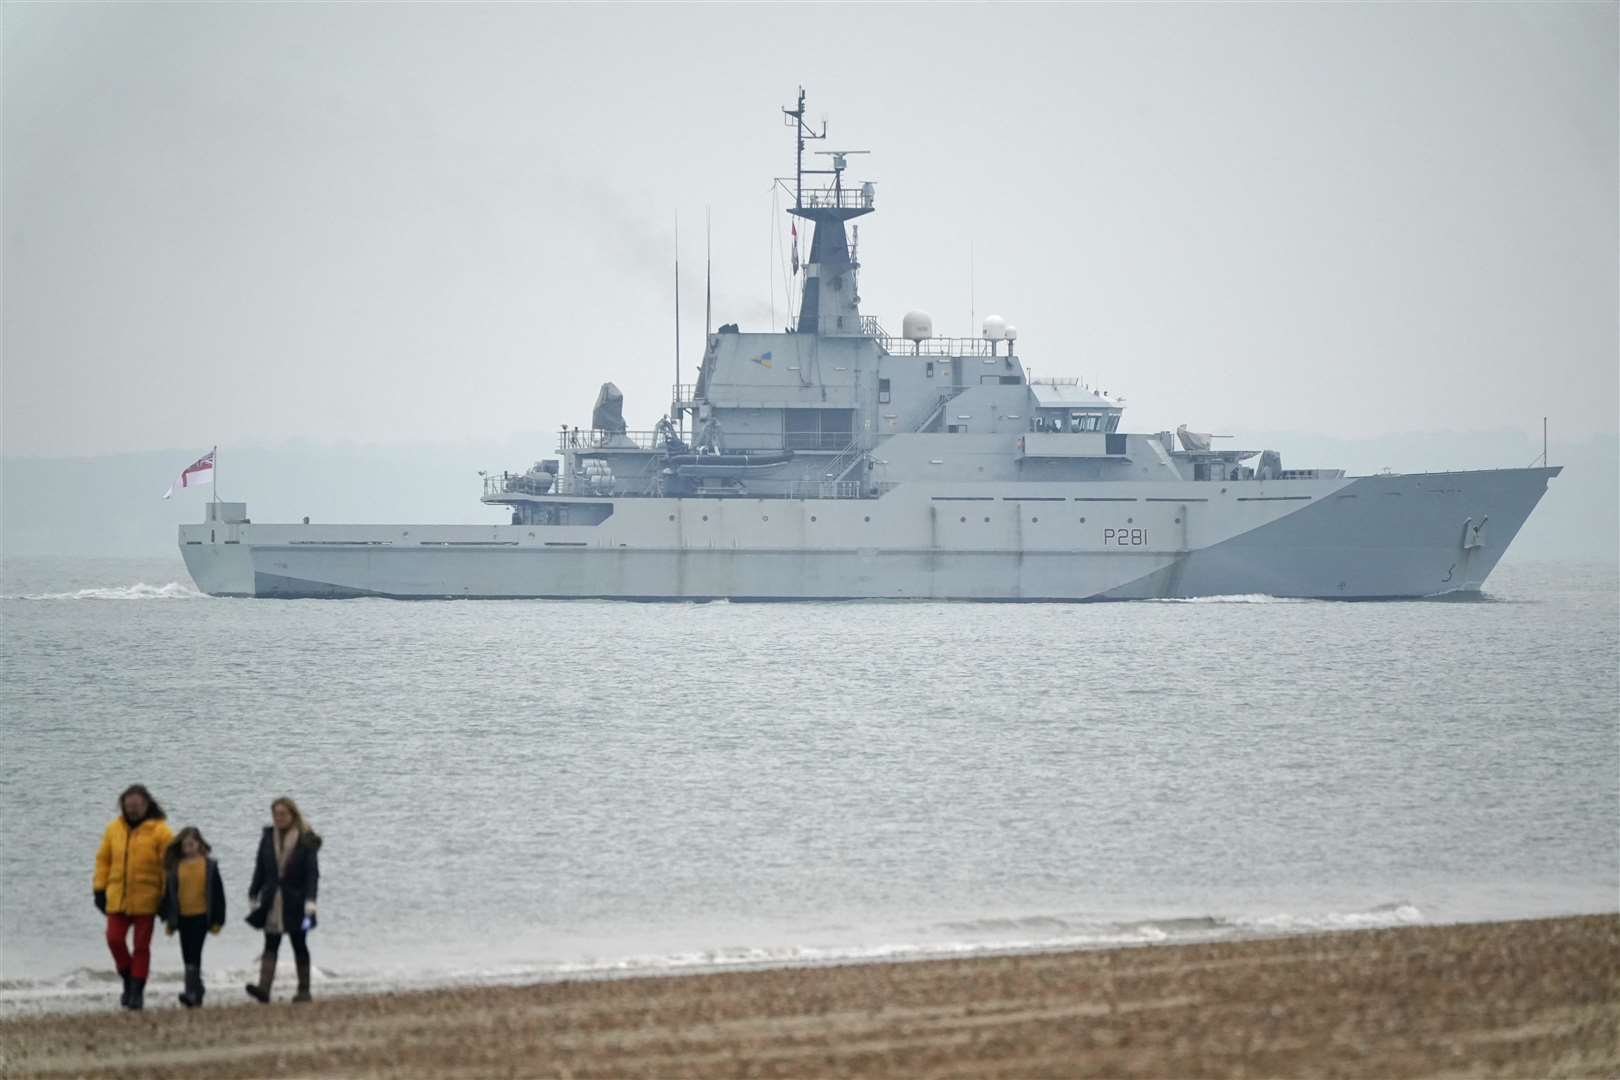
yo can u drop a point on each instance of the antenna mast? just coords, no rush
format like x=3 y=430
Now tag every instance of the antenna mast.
x=794 y=118
x=708 y=277
x=677 y=305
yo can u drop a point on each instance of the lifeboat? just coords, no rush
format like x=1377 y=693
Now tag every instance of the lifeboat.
x=729 y=465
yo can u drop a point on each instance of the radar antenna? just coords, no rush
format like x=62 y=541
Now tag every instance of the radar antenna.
x=839 y=164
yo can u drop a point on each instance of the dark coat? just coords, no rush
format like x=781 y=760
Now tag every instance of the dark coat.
x=216 y=897
x=298 y=885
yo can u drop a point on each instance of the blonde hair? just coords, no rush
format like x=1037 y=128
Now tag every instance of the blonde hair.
x=292 y=811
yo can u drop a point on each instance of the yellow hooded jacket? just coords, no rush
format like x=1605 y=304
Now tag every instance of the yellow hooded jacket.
x=129 y=865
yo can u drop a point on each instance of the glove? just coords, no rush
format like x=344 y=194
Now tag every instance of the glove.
x=101 y=901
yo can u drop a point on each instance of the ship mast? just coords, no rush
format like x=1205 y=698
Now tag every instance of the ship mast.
x=677 y=308
x=834 y=310
x=794 y=118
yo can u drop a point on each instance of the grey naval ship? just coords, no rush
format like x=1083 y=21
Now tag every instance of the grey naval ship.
x=835 y=460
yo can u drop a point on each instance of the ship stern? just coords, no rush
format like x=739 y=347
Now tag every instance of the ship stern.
x=216 y=558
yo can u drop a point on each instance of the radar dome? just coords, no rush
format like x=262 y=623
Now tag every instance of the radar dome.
x=995 y=327
x=917 y=326
x=1012 y=333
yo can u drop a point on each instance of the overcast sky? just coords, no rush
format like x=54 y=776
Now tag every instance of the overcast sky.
x=242 y=224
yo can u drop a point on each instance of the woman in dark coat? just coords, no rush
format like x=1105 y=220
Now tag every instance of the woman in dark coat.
x=286 y=876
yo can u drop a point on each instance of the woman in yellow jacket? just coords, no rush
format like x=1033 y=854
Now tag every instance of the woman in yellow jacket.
x=129 y=885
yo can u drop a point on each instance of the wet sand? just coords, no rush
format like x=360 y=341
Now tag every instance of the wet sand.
x=1535 y=998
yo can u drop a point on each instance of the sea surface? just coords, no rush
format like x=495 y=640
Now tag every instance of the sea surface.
x=527 y=790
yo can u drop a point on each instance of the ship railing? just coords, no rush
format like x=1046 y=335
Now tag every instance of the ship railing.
x=938 y=346
x=578 y=439
x=581 y=439
x=806 y=440
x=683 y=393
x=517 y=484
x=823 y=489
x=839 y=198
x=839 y=467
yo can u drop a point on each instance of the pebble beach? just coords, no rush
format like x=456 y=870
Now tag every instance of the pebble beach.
x=1529 y=998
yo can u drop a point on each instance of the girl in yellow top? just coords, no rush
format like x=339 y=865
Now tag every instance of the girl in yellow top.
x=128 y=885
x=193 y=903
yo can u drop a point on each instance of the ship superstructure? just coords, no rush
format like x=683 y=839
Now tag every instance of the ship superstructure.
x=834 y=460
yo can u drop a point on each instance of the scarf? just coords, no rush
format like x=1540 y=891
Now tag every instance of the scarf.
x=283 y=844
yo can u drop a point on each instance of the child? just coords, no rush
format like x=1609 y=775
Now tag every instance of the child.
x=193 y=903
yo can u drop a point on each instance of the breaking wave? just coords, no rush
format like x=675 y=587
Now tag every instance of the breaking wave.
x=1079 y=931
x=1400 y=913
x=174 y=590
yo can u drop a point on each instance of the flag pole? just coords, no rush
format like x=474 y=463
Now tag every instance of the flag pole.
x=216 y=474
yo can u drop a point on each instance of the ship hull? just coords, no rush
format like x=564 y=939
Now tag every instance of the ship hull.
x=1380 y=537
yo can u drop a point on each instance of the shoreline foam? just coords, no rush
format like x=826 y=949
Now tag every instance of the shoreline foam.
x=92 y=988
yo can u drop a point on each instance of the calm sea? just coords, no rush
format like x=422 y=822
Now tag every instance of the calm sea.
x=515 y=790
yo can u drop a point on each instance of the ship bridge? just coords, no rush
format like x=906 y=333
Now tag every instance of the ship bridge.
x=1065 y=405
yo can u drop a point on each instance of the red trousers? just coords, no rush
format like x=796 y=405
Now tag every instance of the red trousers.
x=138 y=965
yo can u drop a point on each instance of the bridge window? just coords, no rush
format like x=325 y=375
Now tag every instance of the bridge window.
x=1086 y=421
x=883 y=391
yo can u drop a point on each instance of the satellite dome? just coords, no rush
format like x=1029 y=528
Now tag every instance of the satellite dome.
x=1012 y=333
x=917 y=326
x=995 y=327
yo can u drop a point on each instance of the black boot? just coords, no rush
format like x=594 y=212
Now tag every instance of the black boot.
x=260 y=991
x=303 y=979
x=191 y=996
x=137 y=994
x=123 y=999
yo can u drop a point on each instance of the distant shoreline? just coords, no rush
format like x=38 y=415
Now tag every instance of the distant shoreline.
x=1535 y=997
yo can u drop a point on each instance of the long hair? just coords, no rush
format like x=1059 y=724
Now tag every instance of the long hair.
x=177 y=847
x=292 y=811
x=154 y=812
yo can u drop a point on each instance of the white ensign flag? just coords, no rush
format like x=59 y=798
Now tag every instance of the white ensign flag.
x=198 y=472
